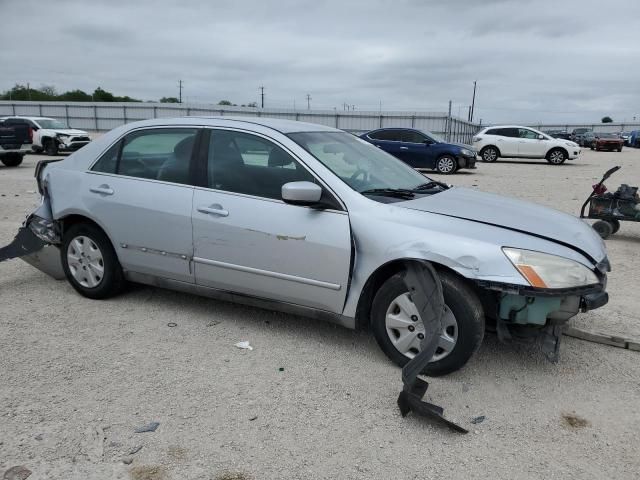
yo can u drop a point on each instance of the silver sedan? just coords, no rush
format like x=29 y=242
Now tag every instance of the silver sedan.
x=310 y=220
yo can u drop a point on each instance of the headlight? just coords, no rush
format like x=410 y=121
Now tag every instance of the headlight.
x=543 y=270
x=62 y=135
x=467 y=153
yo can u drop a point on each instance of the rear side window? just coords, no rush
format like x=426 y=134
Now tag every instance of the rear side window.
x=157 y=154
x=389 y=135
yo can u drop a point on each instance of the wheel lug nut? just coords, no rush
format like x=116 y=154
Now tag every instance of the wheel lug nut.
x=421 y=336
x=414 y=318
x=411 y=328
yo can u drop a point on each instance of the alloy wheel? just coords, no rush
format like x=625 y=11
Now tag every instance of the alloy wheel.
x=446 y=165
x=556 y=157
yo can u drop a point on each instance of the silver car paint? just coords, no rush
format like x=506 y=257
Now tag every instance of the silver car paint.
x=381 y=232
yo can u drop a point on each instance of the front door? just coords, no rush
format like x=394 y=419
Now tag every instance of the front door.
x=418 y=153
x=247 y=240
x=529 y=145
x=139 y=191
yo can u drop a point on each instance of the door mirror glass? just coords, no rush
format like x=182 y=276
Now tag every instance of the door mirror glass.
x=540 y=137
x=301 y=193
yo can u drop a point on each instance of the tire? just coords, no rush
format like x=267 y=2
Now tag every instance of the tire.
x=556 y=156
x=489 y=154
x=92 y=249
x=603 y=228
x=50 y=147
x=619 y=150
x=464 y=324
x=12 y=159
x=446 y=165
x=35 y=149
x=615 y=225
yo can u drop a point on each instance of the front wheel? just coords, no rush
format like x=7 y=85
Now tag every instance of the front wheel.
x=556 y=156
x=90 y=262
x=489 y=154
x=446 y=165
x=603 y=228
x=12 y=159
x=51 y=147
x=399 y=330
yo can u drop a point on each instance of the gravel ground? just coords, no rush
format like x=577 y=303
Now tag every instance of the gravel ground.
x=312 y=400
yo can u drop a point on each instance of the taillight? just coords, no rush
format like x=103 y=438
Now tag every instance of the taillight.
x=31 y=134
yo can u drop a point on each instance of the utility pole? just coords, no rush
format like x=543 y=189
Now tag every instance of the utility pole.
x=308 y=101
x=473 y=102
x=449 y=123
x=262 y=96
x=28 y=91
x=180 y=91
x=469 y=113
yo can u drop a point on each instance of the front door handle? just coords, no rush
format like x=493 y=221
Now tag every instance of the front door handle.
x=404 y=148
x=214 y=210
x=103 y=189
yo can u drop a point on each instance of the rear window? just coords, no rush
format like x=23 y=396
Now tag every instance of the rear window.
x=389 y=135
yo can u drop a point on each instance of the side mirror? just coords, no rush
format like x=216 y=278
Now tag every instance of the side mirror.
x=301 y=193
x=427 y=142
x=540 y=137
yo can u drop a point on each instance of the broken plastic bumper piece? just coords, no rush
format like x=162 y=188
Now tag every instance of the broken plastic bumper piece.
x=426 y=292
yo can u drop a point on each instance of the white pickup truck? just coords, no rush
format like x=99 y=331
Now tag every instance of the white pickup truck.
x=50 y=135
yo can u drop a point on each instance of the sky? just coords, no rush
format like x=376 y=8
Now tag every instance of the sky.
x=534 y=61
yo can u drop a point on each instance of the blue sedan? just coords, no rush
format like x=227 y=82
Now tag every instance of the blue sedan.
x=422 y=150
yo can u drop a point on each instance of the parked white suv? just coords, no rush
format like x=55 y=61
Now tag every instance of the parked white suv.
x=51 y=135
x=523 y=142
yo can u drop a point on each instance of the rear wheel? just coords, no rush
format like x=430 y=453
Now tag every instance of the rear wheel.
x=489 y=154
x=12 y=159
x=603 y=228
x=90 y=262
x=556 y=156
x=615 y=225
x=446 y=165
x=399 y=330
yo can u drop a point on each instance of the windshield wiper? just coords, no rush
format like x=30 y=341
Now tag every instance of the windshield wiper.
x=430 y=185
x=390 y=192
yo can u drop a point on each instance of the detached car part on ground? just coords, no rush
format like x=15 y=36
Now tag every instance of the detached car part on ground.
x=309 y=220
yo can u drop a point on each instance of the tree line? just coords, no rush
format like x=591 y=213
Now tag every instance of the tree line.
x=48 y=93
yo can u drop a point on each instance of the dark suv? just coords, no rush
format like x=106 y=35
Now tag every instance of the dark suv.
x=422 y=149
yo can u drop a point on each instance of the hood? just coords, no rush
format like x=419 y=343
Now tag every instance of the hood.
x=70 y=131
x=515 y=215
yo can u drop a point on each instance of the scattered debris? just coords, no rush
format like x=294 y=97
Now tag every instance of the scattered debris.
x=281 y=369
x=574 y=421
x=135 y=449
x=213 y=323
x=172 y=324
x=127 y=460
x=148 y=472
x=151 y=427
x=38 y=437
x=31 y=191
x=19 y=472
x=253 y=418
x=244 y=345
x=477 y=420
x=232 y=476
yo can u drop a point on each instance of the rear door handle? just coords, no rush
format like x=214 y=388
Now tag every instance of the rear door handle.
x=404 y=148
x=102 y=190
x=214 y=210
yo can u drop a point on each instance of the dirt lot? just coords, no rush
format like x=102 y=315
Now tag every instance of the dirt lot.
x=312 y=400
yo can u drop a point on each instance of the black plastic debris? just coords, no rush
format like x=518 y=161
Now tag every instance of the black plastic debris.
x=477 y=420
x=150 y=427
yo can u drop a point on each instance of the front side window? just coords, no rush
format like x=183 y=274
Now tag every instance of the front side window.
x=388 y=135
x=526 y=133
x=244 y=163
x=158 y=154
x=411 y=136
x=50 y=123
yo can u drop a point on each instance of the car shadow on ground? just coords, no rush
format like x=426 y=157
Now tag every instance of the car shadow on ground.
x=534 y=162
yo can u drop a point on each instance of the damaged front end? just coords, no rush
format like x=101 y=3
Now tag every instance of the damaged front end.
x=37 y=239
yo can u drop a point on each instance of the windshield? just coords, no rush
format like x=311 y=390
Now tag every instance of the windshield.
x=359 y=164
x=48 y=123
x=434 y=137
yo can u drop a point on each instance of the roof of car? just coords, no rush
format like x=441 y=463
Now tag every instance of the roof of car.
x=283 y=126
x=508 y=126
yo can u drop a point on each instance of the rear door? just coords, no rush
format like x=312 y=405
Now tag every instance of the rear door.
x=140 y=191
x=390 y=141
x=247 y=240
x=507 y=141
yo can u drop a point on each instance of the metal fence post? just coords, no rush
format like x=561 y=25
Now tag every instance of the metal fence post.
x=66 y=114
x=337 y=122
x=124 y=113
x=413 y=121
x=13 y=109
x=155 y=112
x=40 y=109
x=380 y=122
x=188 y=111
x=95 y=117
